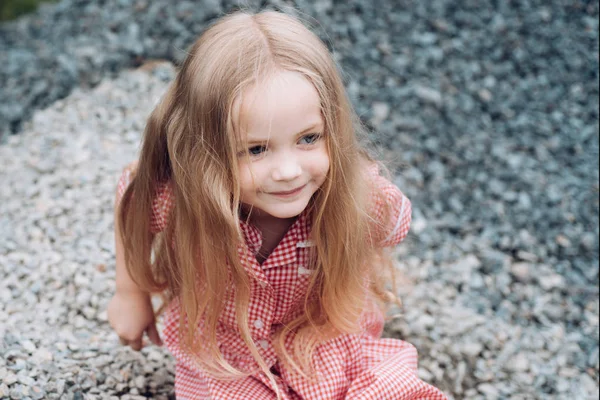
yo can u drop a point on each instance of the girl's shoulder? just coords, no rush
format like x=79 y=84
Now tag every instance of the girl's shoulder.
x=162 y=206
x=125 y=179
x=162 y=201
x=389 y=208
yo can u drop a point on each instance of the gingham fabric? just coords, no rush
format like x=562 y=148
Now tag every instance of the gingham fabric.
x=352 y=366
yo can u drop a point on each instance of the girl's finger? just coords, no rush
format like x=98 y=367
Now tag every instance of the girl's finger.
x=153 y=334
x=123 y=341
x=136 y=344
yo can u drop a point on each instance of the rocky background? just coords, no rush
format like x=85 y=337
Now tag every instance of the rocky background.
x=487 y=112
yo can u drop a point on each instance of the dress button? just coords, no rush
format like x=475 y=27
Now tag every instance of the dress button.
x=304 y=271
x=258 y=324
x=264 y=344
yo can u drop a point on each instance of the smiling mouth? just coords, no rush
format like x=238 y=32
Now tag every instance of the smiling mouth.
x=288 y=192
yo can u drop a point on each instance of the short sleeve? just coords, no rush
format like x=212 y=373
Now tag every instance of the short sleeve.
x=162 y=206
x=390 y=209
x=124 y=181
x=162 y=203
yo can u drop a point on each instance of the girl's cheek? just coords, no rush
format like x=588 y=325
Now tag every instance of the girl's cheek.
x=320 y=167
x=323 y=161
x=246 y=180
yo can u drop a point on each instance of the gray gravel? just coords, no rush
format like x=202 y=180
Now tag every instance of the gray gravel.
x=489 y=112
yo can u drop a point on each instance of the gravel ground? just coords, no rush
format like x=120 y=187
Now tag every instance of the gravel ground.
x=489 y=111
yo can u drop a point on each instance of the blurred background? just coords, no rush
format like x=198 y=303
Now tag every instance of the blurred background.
x=486 y=112
x=12 y=9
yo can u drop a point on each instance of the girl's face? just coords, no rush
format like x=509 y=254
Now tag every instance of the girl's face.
x=285 y=161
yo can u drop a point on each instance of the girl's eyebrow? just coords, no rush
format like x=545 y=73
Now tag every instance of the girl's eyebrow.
x=313 y=127
x=255 y=141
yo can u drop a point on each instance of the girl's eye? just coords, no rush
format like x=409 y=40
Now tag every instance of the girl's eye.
x=310 y=138
x=256 y=150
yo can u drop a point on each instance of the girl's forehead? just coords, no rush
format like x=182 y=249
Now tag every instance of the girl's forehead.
x=280 y=102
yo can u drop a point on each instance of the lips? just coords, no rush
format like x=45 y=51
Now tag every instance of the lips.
x=288 y=192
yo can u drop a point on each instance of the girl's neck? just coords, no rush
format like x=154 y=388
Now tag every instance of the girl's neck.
x=272 y=229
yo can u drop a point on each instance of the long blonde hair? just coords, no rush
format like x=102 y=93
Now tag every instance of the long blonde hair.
x=189 y=142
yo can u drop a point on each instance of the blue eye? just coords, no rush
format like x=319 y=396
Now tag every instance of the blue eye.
x=310 y=138
x=257 y=150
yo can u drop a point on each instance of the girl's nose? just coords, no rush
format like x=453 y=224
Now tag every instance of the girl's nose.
x=286 y=168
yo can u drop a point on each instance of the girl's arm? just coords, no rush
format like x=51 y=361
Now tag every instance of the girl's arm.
x=130 y=311
x=390 y=208
x=124 y=282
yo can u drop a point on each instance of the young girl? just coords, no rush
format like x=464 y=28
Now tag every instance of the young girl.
x=259 y=218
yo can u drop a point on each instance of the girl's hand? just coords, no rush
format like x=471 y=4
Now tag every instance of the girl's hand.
x=130 y=314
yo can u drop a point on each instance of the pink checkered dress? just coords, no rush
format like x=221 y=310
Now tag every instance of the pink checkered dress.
x=352 y=366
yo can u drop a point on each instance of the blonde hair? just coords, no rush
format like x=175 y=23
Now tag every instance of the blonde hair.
x=190 y=143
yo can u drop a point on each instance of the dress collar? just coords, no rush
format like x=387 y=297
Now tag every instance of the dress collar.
x=296 y=236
